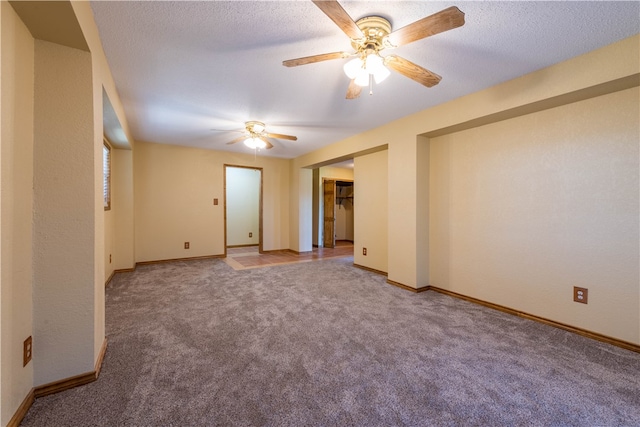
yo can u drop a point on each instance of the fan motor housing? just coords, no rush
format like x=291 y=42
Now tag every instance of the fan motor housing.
x=254 y=126
x=375 y=29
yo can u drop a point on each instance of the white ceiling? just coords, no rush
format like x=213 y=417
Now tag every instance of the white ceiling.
x=183 y=68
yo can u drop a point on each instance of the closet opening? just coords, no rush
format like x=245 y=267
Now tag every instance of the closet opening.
x=242 y=207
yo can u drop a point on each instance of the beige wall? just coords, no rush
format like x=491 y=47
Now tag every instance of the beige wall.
x=16 y=178
x=300 y=208
x=61 y=241
x=122 y=207
x=118 y=221
x=64 y=214
x=102 y=83
x=371 y=211
x=174 y=192
x=525 y=209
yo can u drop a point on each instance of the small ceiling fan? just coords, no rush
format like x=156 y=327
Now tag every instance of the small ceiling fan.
x=255 y=136
x=371 y=35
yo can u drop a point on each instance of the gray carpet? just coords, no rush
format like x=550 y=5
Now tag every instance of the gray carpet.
x=326 y=344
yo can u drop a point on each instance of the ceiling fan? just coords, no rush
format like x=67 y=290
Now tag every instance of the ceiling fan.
x=255 y=136
x=371 y=35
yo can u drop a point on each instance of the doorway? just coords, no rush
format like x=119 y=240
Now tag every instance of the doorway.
x=337 y=212
x=242 y=207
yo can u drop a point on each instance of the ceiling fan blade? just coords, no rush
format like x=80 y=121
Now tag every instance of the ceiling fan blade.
x=353 y=91
x=444 y=20
x=281 y=136
x=226 y=130
x=315 y=58
x=411 y=70
x=269 y=145
x=341 y=18
x=238 y=139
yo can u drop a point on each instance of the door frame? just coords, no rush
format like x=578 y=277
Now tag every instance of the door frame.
x=260 y=198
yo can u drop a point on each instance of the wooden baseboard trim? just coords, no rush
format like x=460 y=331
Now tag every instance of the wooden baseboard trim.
x=106 y=283
x=243 y=246
x=408 y=288
x=583 y=332
x=75 y=381
x=100 y=359
x=195 y=258
x=373 y=270
x=22 y=409
x=125 y=270
x=65 y=384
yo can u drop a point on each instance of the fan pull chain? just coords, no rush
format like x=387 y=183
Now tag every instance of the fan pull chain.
x=370 y=84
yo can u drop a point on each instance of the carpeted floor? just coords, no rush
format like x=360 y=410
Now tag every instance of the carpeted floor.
x=196 y=343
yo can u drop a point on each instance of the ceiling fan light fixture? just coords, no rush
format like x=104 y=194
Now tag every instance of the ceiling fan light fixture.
x=374 y=63
x=381 y=74
x=254 y=143
x=255 y=127
x=375 y=66
x=361 y=70
x=353 y=67
x=362 y=79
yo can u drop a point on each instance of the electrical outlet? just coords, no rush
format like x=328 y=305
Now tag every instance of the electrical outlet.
x=109 y=258
x=186 y=245
x=27 y=351
x=580 y=294
x=250 y=234
x=364 y=251
x=215 y=202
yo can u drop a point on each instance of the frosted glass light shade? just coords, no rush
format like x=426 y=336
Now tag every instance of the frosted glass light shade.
x=360 y=70
x=353 y=67
x=381 y=74
x=362 y=79
x=375 y=66
x=254 y=143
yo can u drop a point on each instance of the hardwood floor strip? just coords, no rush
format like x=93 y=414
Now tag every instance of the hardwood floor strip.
x=245 y=260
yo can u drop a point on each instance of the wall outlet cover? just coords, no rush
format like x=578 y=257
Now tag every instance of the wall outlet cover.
x=27 y=352
x=580 y=294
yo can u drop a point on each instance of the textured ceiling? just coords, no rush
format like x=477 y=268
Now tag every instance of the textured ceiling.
x=184 y=68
